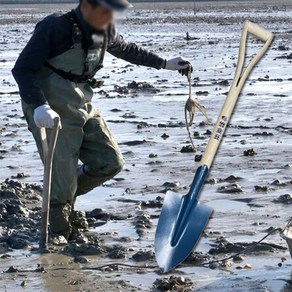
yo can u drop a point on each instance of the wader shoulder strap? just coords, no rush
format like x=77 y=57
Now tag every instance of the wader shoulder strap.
x=84 y=78
x=77 y=32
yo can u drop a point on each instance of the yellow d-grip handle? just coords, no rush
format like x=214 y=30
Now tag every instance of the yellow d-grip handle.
x=240 y=78
x=258 y=31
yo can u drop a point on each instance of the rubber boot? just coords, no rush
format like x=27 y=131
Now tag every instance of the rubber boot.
x=59 y=219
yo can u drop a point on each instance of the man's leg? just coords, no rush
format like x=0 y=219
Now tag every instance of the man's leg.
x=100 y=154
x=64 y=174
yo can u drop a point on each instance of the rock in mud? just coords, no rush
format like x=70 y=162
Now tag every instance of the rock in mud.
x=230 y=189
x=142 y=256
x=249 y=152
x=173 y=283
x=284 y=199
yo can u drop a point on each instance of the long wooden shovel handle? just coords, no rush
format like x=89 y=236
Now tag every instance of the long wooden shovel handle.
x=48 y=154
x=236 y=87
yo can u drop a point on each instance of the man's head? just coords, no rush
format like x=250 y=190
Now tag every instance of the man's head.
x=100 y=13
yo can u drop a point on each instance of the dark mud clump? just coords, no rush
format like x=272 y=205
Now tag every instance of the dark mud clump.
x=187 y=149
x=117 y=252
x=284 y=199
x=142 y=86
x=82 y=249
x=173 y=284
x=224 y=246
x=143 y=256
x=230 y=179
x=19 y=214
x=142 y=223
x=230 y=189
x=197 y=258
x=157 y=203
x=263 y=189
x=249 y=152
x=136 y=87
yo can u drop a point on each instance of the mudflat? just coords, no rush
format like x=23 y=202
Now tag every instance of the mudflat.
x=249 y=186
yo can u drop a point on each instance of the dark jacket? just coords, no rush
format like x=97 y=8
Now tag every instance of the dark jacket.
x=53 y=36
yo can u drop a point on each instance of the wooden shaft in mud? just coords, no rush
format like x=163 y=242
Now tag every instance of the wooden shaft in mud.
x=236 y=87
x=48 y=154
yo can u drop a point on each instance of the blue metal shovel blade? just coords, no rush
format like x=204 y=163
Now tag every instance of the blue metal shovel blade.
x=181 y=223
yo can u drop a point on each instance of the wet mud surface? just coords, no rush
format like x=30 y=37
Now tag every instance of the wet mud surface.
x=249 y=186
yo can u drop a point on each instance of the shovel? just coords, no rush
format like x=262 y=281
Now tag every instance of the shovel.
x=48 y=154
x=183 y=218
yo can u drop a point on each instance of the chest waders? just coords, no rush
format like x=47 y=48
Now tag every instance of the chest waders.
x=66 y=81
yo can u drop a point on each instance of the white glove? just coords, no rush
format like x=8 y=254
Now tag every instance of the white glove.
x=44 y=116
x=179 y=64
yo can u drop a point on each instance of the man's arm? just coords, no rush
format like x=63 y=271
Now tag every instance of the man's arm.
x=132 y=53
x=30 y=61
